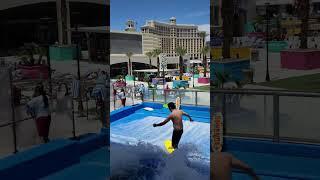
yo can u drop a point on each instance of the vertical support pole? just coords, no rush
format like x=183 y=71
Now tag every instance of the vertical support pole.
x=68 y=22
x=180 y=96
x=132 y=95
x=59 y=20
x=13 y=113
x=196 y=98
x=276 y=123
x=50 y=73
x=114 y=98
x=153 y=91
x=88 y=46
x=224 y=113
x=80 y=105
x=264 y=110
x=165 y=96
x=73 y=120
x=87 y=104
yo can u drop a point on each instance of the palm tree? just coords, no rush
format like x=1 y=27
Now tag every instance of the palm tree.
x=156 y=53
x=257 y=22
x=181 y=52
x=129 y=55
x=149 y=54
x=303 y=7
x=222 y=78
x=227 y=15
x=204 y=51
x=203 y=35
x=29 y=51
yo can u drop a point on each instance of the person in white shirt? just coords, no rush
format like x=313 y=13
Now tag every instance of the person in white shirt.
x=122 y=97
x=38 y=108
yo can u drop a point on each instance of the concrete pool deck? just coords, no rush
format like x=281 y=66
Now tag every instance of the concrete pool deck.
x=61 y=158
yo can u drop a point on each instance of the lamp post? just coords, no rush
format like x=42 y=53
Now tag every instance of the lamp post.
x=267 y=41
x=193 y=75
x=46 y=20
x=80 y=105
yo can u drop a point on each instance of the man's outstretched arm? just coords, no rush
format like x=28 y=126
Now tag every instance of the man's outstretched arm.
x=186 y=114
x=163 y=122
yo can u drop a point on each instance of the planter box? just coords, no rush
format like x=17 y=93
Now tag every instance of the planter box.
x=300 y=59
x=243 y=52
x=233 y=66
x=34 y=72
x=62 y=53
x=277 y=46
x=204 y=80
x=196 y=76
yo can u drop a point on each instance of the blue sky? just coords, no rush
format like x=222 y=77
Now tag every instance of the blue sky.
x=186 y=11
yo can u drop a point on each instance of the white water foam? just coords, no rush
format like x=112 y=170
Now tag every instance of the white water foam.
x=137 y=150
x=196 y=134
x=149 y=162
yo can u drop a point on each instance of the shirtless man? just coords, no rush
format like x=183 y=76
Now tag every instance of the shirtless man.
x=222 y=164
x=176 y=118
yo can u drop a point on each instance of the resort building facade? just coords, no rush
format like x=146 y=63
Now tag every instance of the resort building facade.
x=169 y=36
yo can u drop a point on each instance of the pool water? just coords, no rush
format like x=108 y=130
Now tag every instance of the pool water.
x=132 y=128
x=276 y=161
x=94 y=165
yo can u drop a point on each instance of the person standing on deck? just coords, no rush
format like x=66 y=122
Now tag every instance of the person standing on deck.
x=38 y=108
x=122 y=97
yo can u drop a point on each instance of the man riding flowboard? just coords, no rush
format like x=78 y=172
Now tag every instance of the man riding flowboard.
x=176 y=118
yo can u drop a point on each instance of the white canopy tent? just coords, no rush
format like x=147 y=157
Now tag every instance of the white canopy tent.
x=195 y=61
x=155 y=70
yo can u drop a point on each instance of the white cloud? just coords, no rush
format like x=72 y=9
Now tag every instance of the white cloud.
x=206 y=28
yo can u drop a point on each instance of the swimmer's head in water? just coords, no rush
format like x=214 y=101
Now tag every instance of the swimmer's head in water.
x=171 y=106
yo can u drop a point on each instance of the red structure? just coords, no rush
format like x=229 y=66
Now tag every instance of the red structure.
x=300 y=59
x=204 y=80
x=34 y=72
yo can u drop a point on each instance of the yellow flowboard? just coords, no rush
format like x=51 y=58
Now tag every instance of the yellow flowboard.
x=168 y=146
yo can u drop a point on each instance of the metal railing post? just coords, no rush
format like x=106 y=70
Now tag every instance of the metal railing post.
x=276 y=123
x=196 y=98
x=165 y=96
x=223 y=109
x=87 y=104
x=180 y=96
x=153 y=91
x=73 y=120
x=13 y=114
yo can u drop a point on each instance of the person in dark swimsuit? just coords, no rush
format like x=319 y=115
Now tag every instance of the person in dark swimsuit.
x=176 y=118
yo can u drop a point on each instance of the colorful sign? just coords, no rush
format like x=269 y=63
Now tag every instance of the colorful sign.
x=217 y=132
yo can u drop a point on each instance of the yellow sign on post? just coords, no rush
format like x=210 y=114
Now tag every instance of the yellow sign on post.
x=217 y=132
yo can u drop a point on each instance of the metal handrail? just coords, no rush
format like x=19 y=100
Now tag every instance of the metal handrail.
x=177 y=91
x=14 y=122
x=276 y=94
x=185 y=90
x=265 y=92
